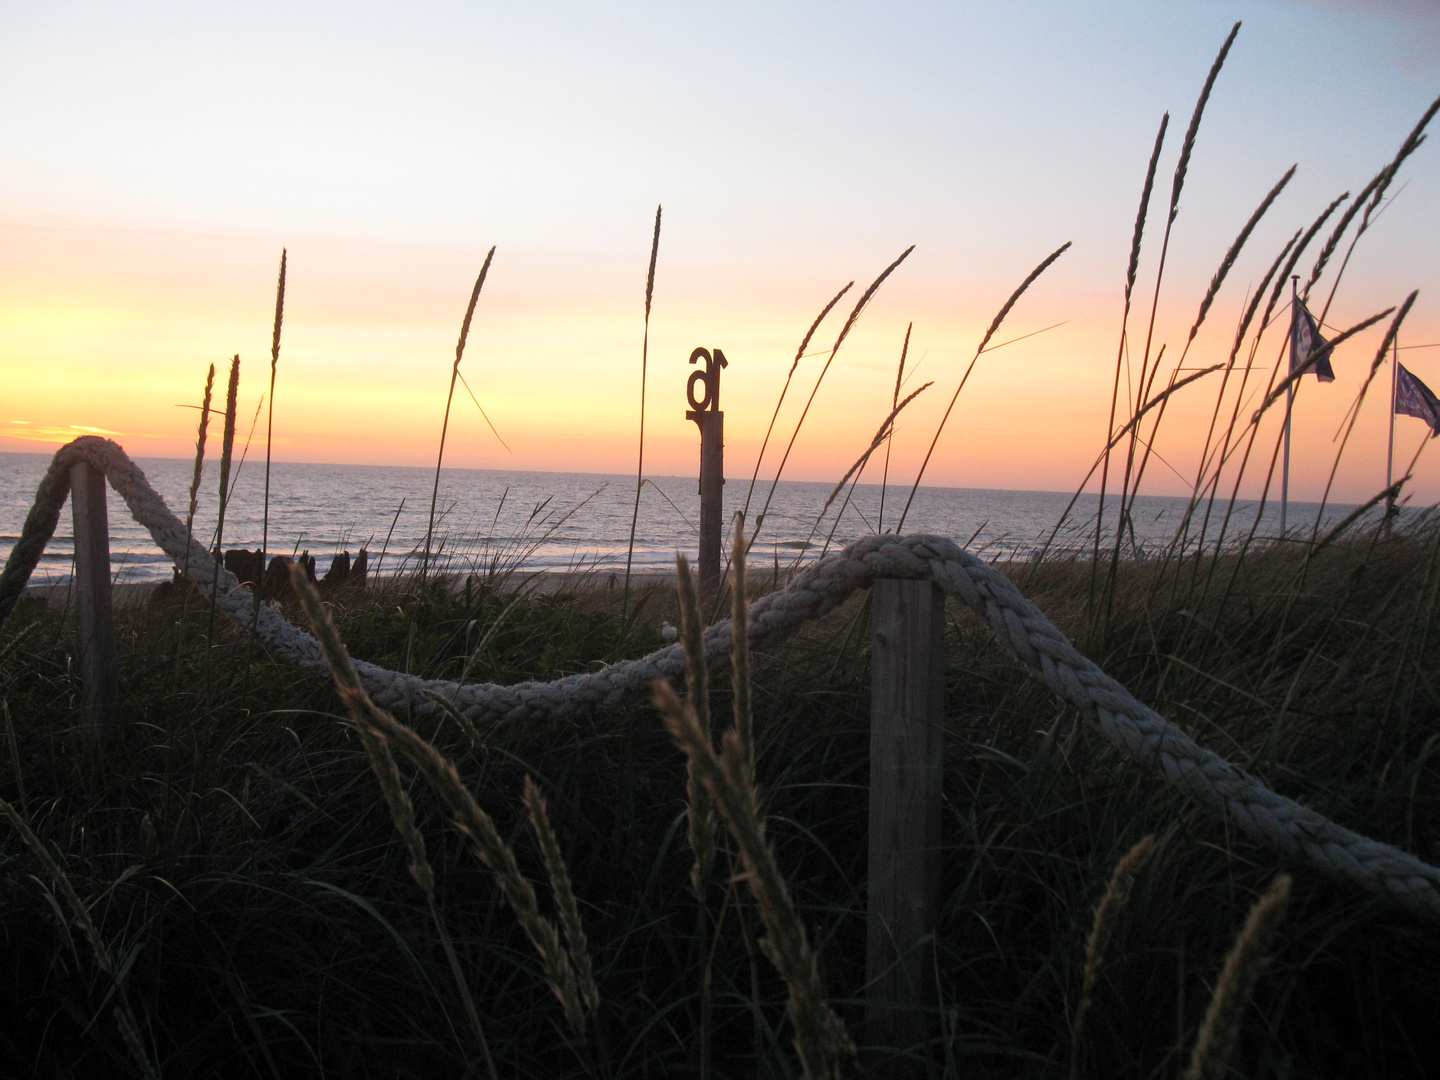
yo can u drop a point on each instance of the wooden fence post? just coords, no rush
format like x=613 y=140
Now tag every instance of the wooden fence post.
x=907 y=709
x=712 y=495
x=93 y=605
x=703 y=391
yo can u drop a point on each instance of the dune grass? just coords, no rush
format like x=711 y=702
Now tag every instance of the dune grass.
x=241 y=865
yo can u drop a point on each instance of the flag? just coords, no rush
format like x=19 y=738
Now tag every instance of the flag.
x=1413 y=398
x=1308 y=350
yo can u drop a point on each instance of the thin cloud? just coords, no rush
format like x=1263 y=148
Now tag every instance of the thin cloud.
x=1418 y=20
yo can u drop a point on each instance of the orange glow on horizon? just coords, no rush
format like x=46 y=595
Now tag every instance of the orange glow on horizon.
x=554 y=357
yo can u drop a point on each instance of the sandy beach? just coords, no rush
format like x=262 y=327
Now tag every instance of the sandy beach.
x=542 y=582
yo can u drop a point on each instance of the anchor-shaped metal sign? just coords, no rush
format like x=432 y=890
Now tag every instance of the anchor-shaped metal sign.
x=709 y=379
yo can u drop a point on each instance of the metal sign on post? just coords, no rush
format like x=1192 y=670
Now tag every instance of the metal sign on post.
x=705 y=411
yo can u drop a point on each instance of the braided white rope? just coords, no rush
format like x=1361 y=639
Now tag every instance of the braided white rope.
x=1132 y=726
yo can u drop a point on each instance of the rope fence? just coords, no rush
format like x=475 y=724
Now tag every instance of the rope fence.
x=1141 y=733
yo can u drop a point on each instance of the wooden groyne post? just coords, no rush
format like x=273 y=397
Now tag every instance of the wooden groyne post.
x=907 y=707
x=705 y=411
x=94 y=608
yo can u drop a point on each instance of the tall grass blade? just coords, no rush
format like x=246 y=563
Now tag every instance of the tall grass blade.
x=989 y=333
x=644 y=371
x=882 y=435
x=1371 y=197
x=1137 y=235
x=799 y=354
x=1221 y=1026
x=1122 y=349
x=472 y=821
x=104 y=958
x=227 y=450
x=1216 y=281
x=1107 y=912
x=402 y=814
x=1230 y=256
x=1205 y=455
x=1229 y=443
x=445 y=424
x=824 y=1047
x=1188 y=146
x=700 y=809
x=259 y=586
x=483 y=414
x=739 y=651
x=894 y=401
x=1147 y=378
x=199 y=460
x=568 y=908
x=839 y=340
x=1380 y=356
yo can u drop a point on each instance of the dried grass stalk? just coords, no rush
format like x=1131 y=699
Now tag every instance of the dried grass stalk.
x=1138 y=234
x=700 y=808
x=1107 y=913
x=1183 y=165
x=227 y=446
x=1234 y=252
x=1375 y=191
x=227 y=452
x=882 y=435
x=644 y=370
x=994 y=325
x=402 y=813
x=576 y=943
x=799 y=354
x=270 y=422
x=894 y=401
x=104 y=958
x=824 y=1046
x=1304 y=243
x=1135 y=242
x=200 y=452
x=850 y=322
x=469 y=818
x=445 y=424
x=740 y=652
x=1211 y=1060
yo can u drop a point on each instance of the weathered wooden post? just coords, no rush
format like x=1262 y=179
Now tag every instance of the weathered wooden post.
x=907 y=707
x=705 y=411
x=93 y=605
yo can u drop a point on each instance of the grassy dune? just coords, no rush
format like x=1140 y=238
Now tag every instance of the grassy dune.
x=239 y=865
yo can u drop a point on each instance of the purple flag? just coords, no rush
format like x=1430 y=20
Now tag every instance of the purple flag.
x=1308 y=350
x=1413 y=398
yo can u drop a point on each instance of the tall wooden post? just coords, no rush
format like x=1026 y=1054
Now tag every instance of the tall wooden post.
x=906 y=765
x=705 y=411
x=93 y=605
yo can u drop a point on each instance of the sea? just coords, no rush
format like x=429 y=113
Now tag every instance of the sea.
x=488 y=520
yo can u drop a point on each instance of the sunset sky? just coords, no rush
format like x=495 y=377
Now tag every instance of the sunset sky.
x=155 y=158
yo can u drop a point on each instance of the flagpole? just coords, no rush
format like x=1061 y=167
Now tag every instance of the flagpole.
x=1390 y=449
x=1289 y=402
